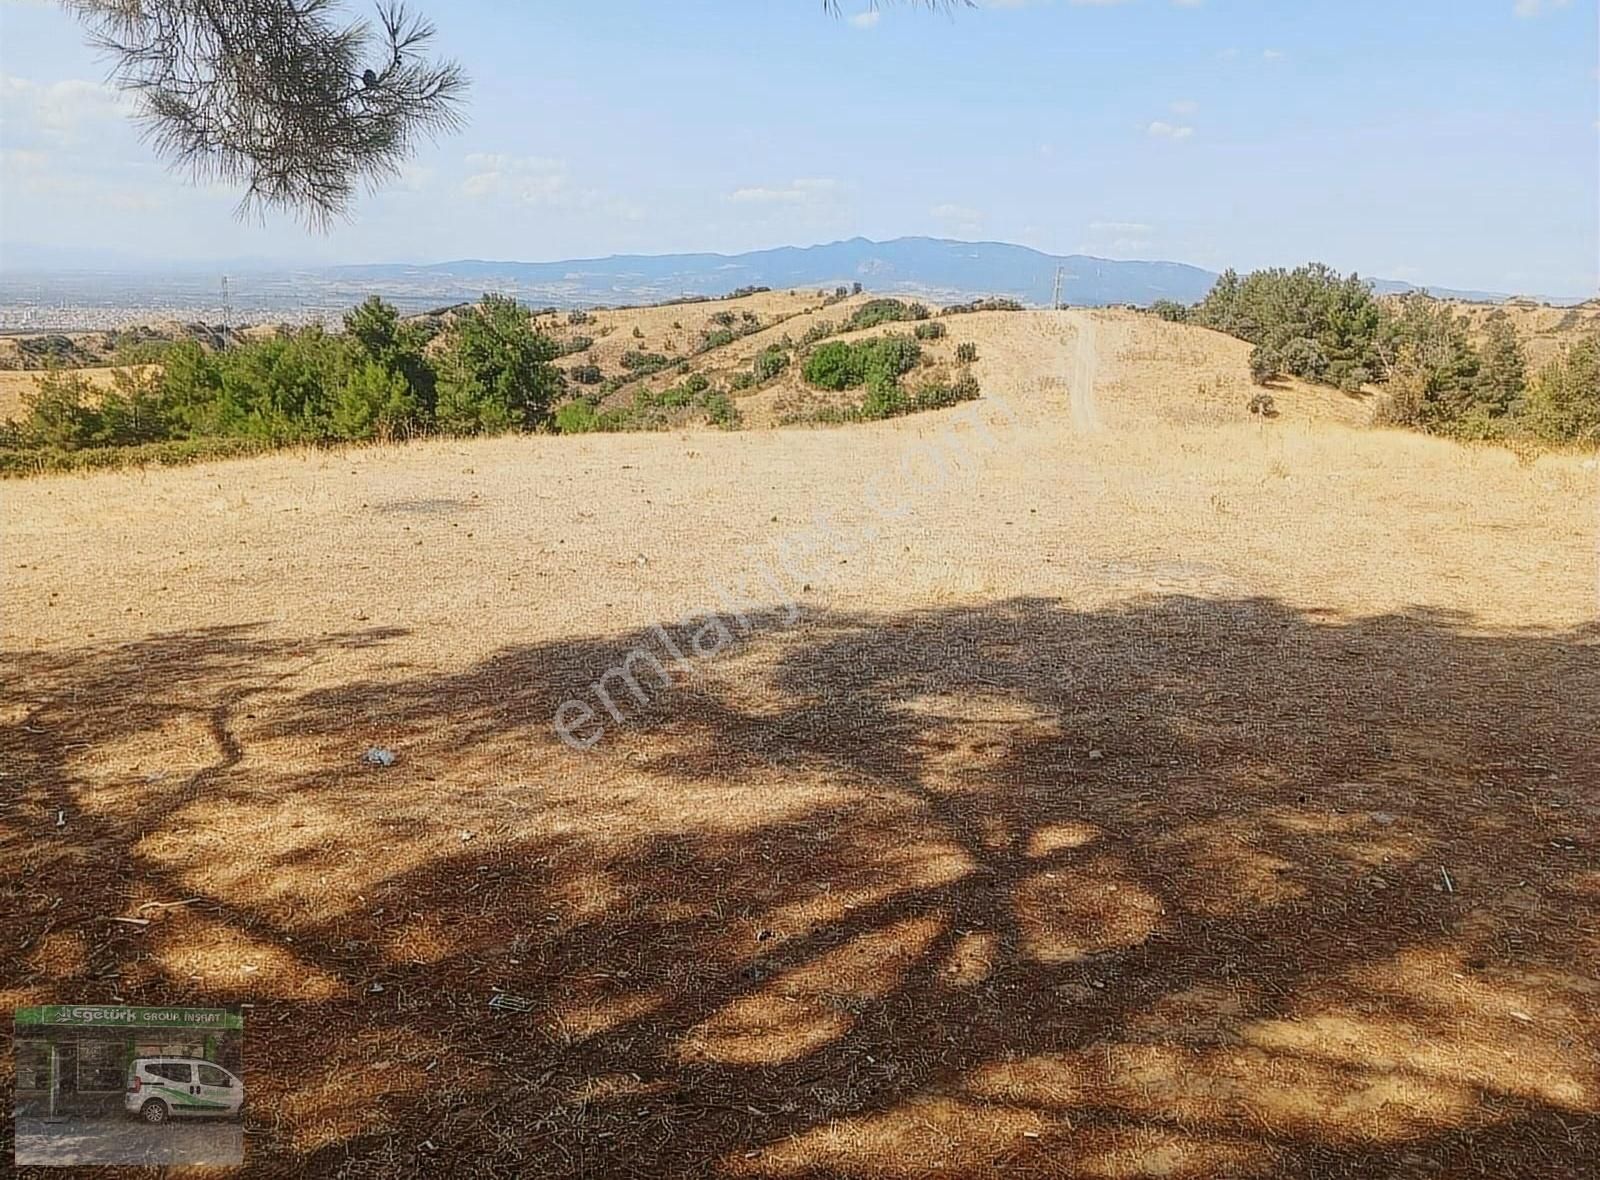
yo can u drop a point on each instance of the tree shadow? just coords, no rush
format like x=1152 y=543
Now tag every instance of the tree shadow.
x=1184 y=886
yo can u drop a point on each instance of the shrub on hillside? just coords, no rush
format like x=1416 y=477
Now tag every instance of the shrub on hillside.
x=641 y=364
x=1265 y=364
x=374 y=402
x=931 y=330
x=884 y=311
x=820 y=330
x=494 y=371
x=966 y=352
x=1563 y=401
x=840 y=364
x=586 y=374
x=1170 y=310
x=995 y=303
x=66 y=412
x=1304 y=357
x=769 y=362
x=1311 y=316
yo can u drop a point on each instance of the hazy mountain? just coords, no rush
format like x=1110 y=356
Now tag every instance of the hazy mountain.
x=933 y=267
x=45 y=287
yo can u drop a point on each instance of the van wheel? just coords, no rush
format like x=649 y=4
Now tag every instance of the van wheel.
x=154 y=1111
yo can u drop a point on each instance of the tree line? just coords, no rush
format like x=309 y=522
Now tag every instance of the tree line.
x=489 y=371
x=1314 y=323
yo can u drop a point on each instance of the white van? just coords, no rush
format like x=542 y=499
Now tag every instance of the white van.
x=161 y=1087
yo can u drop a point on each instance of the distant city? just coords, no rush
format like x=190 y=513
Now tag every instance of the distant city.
x=44 y=299
x=82 y=302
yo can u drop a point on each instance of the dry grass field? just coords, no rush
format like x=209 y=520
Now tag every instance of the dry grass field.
x=1090 y=780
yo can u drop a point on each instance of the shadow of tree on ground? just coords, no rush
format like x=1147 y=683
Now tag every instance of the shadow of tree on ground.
x=1181 y=887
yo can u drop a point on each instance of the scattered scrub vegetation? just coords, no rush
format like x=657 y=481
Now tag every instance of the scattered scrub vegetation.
x=995 y=303
x=769 y=362
x=1313 y=323
x=642 y=364
x=884 y=311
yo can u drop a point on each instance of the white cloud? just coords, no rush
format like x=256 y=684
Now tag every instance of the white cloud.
x=961 y=220
x=1161 y=129
x=1185 y=106
x=536 y=181
x=58 y=109
x=805 y=191
x=866 y=20
x=1531 y=8
x=532 y=180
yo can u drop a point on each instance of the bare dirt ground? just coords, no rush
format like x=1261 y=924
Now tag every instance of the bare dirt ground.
x=1150 y=792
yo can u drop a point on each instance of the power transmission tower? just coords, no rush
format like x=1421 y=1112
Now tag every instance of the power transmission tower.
x=1055 y=299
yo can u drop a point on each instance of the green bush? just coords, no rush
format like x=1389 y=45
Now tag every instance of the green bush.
x=992 y=304
x=966 y=352
x=1563 y=402
x=374 y=402
x=1170 y=310
x=840 y=364
x=720 y=410
x=641 y=364
x=1265 y=364
x=495 y=372
x=769 y=362
x=582 y=416
x=820 y=330
x=1311 y=317
x=932 y=330
x=586 y=374
x=884 y=311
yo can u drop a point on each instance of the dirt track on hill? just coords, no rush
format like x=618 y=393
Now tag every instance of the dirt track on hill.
x=1188 y=796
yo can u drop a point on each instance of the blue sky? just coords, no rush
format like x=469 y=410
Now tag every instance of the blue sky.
x=1446 y=141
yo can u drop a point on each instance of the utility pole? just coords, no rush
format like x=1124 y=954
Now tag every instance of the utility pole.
x=227 y=313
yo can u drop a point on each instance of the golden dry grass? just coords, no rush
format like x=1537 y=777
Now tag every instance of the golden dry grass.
x=1162 y=793
x=14 y=383
x=1543 y=330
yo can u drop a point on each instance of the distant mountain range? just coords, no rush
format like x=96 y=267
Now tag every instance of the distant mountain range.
x=32 y=291
x=938 y=268
x=932 y=267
